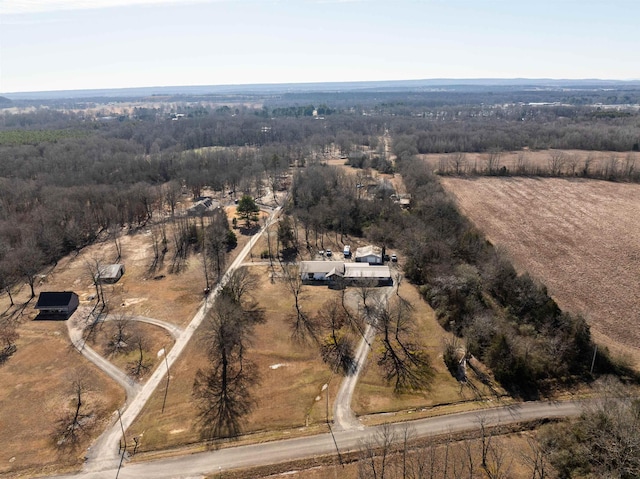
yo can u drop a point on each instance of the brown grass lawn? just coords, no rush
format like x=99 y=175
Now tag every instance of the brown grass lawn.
x=35 y=392
x=373 y=396
x=34 y=380
x=579 y=237
x=155 y=339
x=288 y=396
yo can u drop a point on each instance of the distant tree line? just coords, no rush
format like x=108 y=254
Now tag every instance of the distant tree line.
x=609 y=167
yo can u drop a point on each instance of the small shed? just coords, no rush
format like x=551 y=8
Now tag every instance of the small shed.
x=57 y=304
x=110 y=273
x=369 y=254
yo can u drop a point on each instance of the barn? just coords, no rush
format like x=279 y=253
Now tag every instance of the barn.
x=57 y=304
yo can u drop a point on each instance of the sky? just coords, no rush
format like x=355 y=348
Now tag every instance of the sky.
x=50 y=45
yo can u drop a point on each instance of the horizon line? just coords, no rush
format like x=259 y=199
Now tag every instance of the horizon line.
x=448 y=80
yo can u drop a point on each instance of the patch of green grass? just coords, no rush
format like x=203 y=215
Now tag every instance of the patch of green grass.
x=33 y=137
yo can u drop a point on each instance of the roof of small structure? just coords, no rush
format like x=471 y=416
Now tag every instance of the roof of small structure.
x=50 y=299
x=363 y=270
x=321 y=266
x=110 y=271
x=368 y=251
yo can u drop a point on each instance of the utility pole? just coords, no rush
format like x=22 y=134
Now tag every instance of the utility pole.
x=166 y=389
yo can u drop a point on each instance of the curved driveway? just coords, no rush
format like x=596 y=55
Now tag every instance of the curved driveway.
x=130 y=386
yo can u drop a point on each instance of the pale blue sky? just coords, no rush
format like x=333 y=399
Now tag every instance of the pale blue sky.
x=77 y=44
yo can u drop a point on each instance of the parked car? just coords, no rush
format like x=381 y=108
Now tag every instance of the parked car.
x=328 y=252
x=394 y=258
x=347 y=251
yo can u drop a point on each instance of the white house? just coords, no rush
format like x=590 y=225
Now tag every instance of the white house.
x=327 y=271
x=320 y=270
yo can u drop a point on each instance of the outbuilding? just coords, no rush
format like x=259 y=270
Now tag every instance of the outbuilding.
x=369 y=254
x=57 y=304
x=110 y=273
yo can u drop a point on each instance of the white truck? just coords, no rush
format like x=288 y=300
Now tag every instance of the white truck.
x=347 y=251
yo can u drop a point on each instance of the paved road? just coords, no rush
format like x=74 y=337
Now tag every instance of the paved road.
x=104 y=453
x=201 y=464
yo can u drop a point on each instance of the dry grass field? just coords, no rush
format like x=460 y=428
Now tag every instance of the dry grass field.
x=35 y=380
x=290 y=392
x=579 y=237
x=374 y=398
x=36 y=390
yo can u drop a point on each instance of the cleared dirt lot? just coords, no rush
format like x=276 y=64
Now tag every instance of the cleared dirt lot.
x=580 y=237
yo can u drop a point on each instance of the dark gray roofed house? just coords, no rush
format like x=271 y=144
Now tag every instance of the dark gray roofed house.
x=57 y=305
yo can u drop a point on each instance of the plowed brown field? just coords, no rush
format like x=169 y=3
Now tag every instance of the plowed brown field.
x=579 y=237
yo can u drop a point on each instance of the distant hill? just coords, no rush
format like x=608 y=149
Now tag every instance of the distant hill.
x=365 y=86
x=4 y=102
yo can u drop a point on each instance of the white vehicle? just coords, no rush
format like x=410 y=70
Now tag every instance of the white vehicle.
x=347 y=251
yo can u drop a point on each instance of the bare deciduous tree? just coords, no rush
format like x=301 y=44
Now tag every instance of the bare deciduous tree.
x=119 y=338
x=222 y=390
x=402 y=360
x=337 y=348
x=375 y=455
x=303 y=325
x=141 y=364
x=76 y=422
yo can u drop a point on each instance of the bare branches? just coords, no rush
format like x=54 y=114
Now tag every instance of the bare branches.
x=222 y=390
x=141 y=364
x=303 y=325
x=76 y=422
x=402 y=360
x=337 y=347
x=8 y=337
